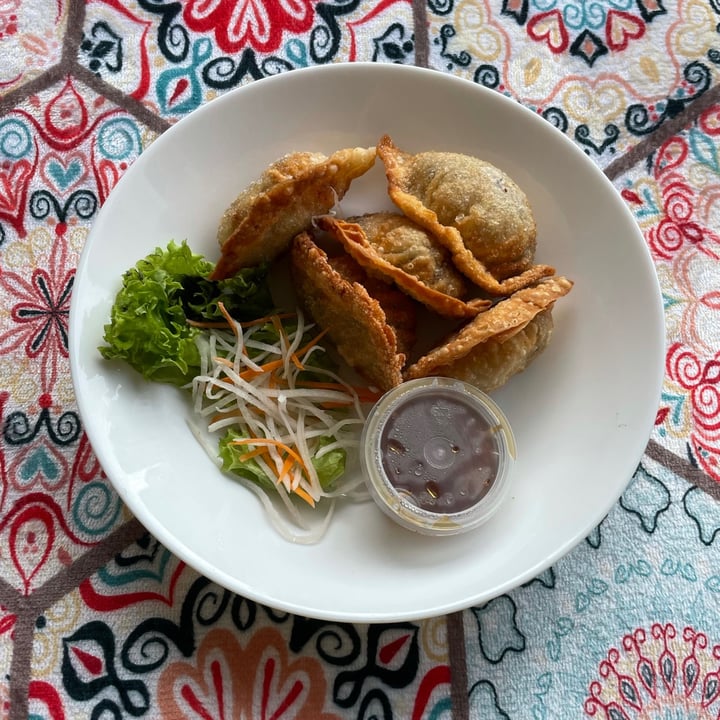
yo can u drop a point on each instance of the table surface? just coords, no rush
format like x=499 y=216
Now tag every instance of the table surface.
x=98 y=620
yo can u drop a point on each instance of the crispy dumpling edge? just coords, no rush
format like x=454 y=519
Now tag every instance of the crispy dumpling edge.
x=354 y=240
x=450 y=237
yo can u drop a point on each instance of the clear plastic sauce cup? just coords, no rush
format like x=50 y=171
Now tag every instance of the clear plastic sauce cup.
x=437 y=454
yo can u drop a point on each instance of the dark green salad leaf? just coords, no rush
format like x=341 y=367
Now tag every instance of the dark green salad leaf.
x=148 y=322
x=329 y=467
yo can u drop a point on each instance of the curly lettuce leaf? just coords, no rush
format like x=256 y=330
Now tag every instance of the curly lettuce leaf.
x=148 y=326
x=329 y=467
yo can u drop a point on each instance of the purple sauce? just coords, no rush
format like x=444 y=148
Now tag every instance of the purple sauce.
x=440 y=451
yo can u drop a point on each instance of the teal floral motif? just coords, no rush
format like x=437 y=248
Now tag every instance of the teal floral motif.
x=713 y=584
x=498 y=633
x=544 y=684
x=65 y=176
x=178 y=89
x=15 y=139
x=39 y=463
x=297 y=53
x=647 y=498
x=148 y=560
x=119 y=140
x=96 y=508
x=563 y=627
x=704 y=149
x=594 y=589
x=625 y=571
x=704 y=511
x=685 y=570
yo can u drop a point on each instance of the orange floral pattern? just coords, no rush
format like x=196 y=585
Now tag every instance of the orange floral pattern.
x=225 y=681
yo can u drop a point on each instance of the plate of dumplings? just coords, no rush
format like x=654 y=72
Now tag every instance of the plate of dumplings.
x=430 y=227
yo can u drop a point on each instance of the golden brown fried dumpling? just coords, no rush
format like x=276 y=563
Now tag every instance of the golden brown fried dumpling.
x=372 y=332
x=498 y=343
x=264 y=218
x=392 y=246
x=473 y=208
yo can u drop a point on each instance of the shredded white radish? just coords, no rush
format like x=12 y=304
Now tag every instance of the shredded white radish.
x=286 y=412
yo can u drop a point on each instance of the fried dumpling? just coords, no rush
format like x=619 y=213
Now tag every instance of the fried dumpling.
x=370 y=323
x=498 y=343
x=392 y=246
x=260 y=224
x=479 y=213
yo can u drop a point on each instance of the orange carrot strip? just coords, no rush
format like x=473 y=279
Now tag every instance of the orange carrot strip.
x=312 y=343
x=268 y=318
x=250 y=373
x=271 y=441
x=224 y=416
x=285 y=469
x=252 y=453
x=304 y=495
x=229 y=319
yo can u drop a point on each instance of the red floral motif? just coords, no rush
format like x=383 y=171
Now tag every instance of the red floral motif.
x=66 y=115
x=655 y=674
x=701 y=378
x=260 y=24
x=45 y=701
x=678 y=226
x=31 y=532
x=549 y=27
x=7 y=621
x=8 y=18
x=15 y=180
x=39 y=313
x=620 y=28
x=225 y=681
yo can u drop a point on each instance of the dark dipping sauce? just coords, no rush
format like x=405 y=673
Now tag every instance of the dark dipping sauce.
x=440 y=451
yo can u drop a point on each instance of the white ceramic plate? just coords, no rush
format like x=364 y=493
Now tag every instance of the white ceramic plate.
x=582 y=413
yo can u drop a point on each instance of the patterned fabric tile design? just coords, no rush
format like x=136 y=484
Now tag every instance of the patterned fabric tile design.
x=607 y=74
x=173 y=57
x=198 y=648
x=98 y=620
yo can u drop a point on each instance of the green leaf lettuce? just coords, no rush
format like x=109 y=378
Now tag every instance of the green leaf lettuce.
x=148 y=321
x=329 y=467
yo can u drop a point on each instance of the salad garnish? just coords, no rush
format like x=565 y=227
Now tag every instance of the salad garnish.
x=269 y=406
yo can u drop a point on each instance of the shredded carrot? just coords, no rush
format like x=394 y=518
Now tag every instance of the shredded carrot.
x=311 y=344
x=268 y=367
x=285 y=469
x=228 y=317
x=272 y=362
x=304 y=495
x=252 y=453
x=271 y=441
x=268 y=318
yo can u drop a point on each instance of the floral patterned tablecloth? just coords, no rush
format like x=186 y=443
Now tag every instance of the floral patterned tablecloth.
x=98 y=620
